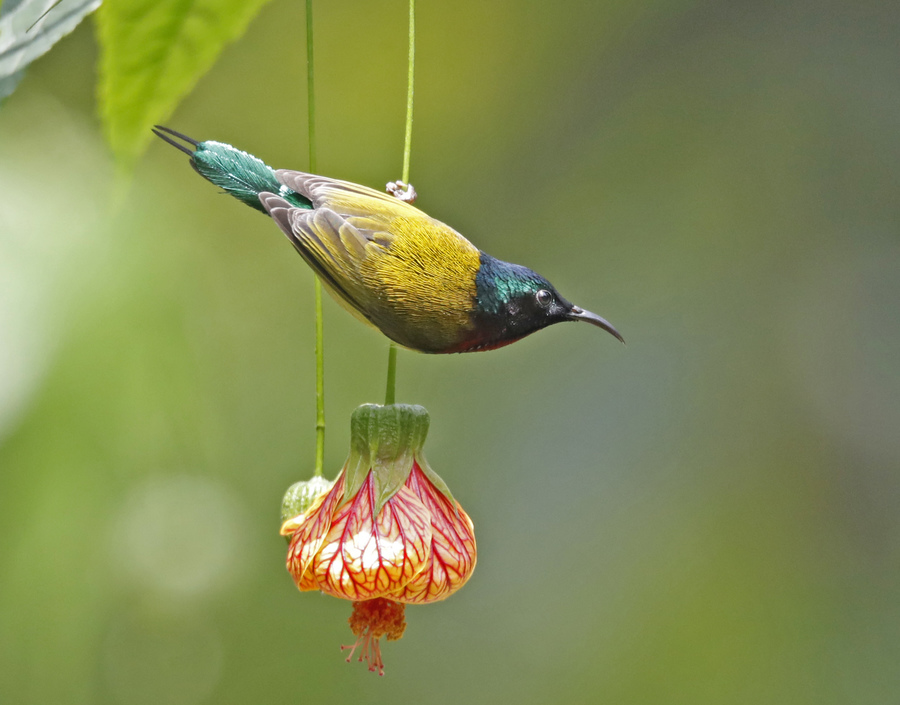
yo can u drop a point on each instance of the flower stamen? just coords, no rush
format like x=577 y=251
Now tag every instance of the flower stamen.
x=371 y=620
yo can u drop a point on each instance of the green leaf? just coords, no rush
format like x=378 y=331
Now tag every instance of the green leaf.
x=28 y=28
x=8 y=83
x=153 y=52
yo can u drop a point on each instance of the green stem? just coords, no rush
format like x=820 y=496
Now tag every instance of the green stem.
x=320 y=383
x=407 y=151
x=391 y=375
x=410 y=82
x=310 y=88
x=320 y=347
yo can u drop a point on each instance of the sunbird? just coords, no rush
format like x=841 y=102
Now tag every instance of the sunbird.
x=417 y=280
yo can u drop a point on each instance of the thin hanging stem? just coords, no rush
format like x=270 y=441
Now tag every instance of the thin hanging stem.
x=320 y=383
x=407 y=151
x=391 y=375
x=310 y=88
x=320 y=348
x=410 y=82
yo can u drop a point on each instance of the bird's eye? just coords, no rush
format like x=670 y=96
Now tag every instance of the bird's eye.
x=544 y=297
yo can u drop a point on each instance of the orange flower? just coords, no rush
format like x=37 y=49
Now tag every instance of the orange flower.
x=387 y=531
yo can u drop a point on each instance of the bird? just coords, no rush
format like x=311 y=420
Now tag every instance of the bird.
x=417 y=280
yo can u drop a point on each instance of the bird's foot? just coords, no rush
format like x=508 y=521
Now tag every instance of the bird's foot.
x=405 y=192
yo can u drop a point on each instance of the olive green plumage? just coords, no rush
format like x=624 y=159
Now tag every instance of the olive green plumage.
x=392 y=266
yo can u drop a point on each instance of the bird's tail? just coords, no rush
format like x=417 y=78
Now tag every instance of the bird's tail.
x=242 y=175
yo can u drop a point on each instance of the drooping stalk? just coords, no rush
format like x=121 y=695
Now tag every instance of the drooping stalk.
x=407 y=151
x=310 y=88
x=320 y=352
x=391 y=375
x=410 y=82
x=320 y=383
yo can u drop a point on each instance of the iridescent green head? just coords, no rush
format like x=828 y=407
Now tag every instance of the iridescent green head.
x=513 y=301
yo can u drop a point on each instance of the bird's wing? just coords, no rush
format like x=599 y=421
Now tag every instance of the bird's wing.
x=344 y=197
x=330 y=245
x=384 y=258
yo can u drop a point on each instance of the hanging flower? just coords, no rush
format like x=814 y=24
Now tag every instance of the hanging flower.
x=387 y=533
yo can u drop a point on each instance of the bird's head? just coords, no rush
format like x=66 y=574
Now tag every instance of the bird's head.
x=513 y=301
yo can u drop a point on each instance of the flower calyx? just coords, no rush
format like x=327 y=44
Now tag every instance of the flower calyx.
x=387 y=440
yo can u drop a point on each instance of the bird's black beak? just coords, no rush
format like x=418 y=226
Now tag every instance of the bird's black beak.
x=579 y=314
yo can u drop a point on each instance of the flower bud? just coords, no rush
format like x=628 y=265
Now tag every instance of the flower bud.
x=301 y=495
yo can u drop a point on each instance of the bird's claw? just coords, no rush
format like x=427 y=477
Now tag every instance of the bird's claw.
x=405 y=192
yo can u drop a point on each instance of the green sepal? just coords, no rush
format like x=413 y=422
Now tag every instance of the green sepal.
x=385 y=440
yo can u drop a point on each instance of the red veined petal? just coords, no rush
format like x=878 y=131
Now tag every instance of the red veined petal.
x=363 y=557
x=453 y=553
x=310 y=535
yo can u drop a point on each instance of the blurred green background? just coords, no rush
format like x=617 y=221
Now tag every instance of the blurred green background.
x=708 y=515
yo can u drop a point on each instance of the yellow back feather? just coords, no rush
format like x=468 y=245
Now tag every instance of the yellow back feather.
x=387 y=261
